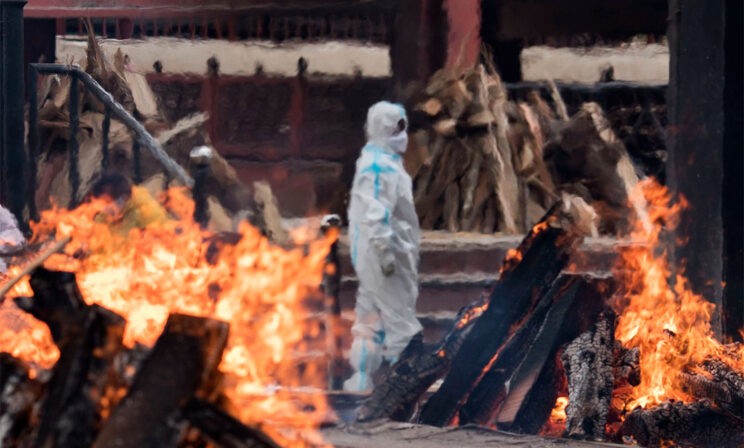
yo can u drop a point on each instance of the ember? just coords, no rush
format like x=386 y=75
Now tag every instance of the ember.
x=259 y=289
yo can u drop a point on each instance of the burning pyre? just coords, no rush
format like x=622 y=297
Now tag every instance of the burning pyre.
x=260 y=289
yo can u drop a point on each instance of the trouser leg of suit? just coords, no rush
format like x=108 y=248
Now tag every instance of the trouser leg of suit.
x=366 y=352
x=396 y=300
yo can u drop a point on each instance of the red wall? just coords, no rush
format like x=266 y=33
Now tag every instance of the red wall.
x=302 y=135
x=464 y=19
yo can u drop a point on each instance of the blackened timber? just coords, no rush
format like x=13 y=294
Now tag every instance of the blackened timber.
x=724 y=386
x=696 y=424
x=588 y=363
x=57 y=302
x=482 y=404
x=577 y=302
x=71 y=412
x=417 y=370
x=544 y=254
x=222 y=429
x=89 y=337
x=182 y=360
x=18 y=394
x=568 y=308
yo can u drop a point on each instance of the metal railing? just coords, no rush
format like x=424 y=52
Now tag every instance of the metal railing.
x=140 y=137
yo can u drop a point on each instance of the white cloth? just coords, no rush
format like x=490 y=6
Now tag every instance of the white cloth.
x=11 y=238
x=384 y=234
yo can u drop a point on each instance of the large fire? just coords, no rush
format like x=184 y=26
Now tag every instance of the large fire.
x=659 y=313
x=258 y=288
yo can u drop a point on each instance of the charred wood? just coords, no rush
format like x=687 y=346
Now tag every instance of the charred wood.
x=18 y=394
x=57 y=302
x=722 y=384
x=627 y=374
x=587 y=362
x=89 y=337
x=627 y=365
x=183 y=360
x=397 y=394
x=698 y=424
x=512 y=394
x=221 y=429
x=543 y=255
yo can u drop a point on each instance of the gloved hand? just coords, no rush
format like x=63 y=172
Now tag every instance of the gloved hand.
x=387 y=263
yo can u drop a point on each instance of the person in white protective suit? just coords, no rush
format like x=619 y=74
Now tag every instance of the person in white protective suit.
x=384 y=236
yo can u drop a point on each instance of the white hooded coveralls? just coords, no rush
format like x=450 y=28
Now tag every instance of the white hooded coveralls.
x=384 y=235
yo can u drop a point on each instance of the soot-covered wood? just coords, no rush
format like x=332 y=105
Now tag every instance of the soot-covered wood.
x=588 y=363
x=699 y=424
x=544 y=254
x=89 y=337
x=527 y=362
x=722 y=384
x=397 y=394
x=18 y=394
x=183 y=359
x=222 y=429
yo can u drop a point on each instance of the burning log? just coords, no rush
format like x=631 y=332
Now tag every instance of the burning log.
x=587 y=362
x=541 y=257
x=627 y=369
x=507 y=395
x=183 y=360
x=719 y=383
x=18 y=394
x=695 y=424
x=222 y=429
x=416 y=371
x=35 y=263
x=536 y=263
x=89 y=337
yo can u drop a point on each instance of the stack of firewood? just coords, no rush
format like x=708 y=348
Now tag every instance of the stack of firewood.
x=483 y=163
x=229 y=198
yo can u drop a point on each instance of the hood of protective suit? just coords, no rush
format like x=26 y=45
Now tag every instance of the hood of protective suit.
x=386 y=126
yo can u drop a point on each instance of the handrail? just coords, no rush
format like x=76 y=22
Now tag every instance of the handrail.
x=142 y=138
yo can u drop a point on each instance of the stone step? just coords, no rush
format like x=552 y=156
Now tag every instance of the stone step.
x=437 y=292
x=450 y=253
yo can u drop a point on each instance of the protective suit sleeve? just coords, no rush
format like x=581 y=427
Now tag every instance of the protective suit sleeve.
x=377 y=191
x=11 y=238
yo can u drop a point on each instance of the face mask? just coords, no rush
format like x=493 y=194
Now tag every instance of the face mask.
x=399 y=142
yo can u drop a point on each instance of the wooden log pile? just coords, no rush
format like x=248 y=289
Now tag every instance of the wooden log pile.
x=229 y=198
x=525 y=288
x=89 y=401
x=483 y=163
x=539 y=333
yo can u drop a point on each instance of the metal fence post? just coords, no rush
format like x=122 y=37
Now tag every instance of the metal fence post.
x=12 y=151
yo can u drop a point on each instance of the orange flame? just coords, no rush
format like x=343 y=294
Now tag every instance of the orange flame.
x=259 y=288
x=659 y=313
x=555 y=426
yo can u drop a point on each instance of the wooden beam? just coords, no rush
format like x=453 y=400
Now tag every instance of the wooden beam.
x=529 y=19
x=696 y=150
x=733 y=168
